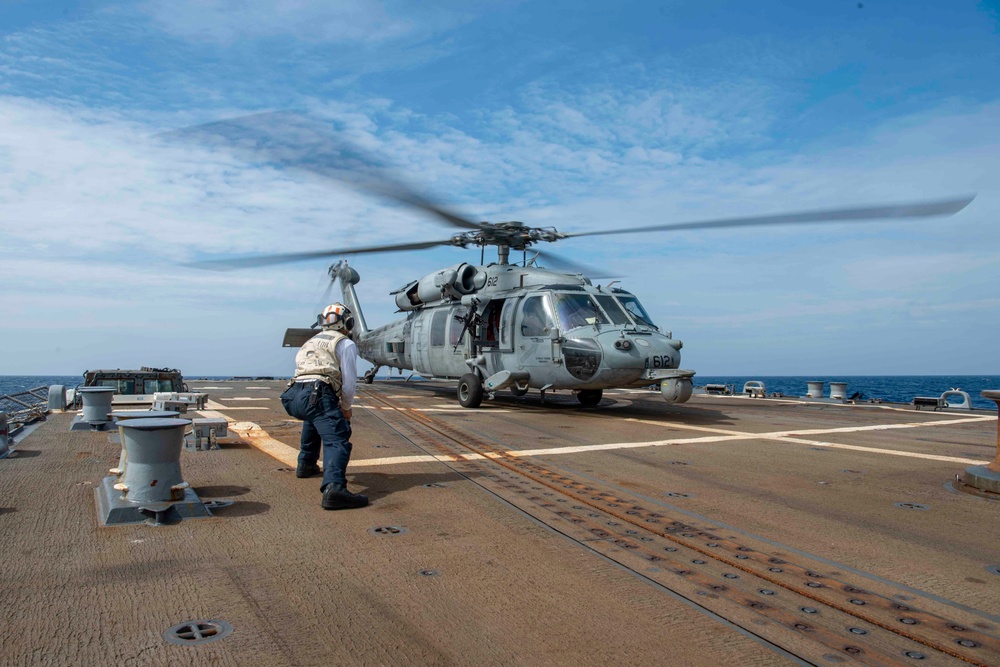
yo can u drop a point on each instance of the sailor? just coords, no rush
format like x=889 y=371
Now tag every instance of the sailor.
x=321 y=395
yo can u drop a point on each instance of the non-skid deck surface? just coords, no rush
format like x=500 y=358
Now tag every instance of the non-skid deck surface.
x=528 y=537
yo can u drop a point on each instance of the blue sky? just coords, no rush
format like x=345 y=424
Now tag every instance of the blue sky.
x=571 y=114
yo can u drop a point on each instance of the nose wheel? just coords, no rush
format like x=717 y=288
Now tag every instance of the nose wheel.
x=470 y=391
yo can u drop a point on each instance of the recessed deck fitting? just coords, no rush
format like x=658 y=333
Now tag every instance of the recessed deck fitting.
x=190 y=633
x=912 y=506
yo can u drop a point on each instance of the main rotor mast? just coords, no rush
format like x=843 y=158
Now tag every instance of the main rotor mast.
x=505 y=236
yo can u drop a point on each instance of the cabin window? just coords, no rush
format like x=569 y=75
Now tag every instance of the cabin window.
x=121 y=386
x=613 y=310
x=457 y=325
x=438 y=325
x=635 y=309
x=153 y=386
x=583 y=357
x=507 y=321
x=396 y=347
x=578 y=310
x=535 y=320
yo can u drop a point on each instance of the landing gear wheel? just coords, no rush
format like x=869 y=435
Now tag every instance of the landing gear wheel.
x=590 y=397
x=470 y=391
x=369 y=378
x=517 y=391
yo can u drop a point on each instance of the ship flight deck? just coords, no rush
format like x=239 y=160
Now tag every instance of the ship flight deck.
x=726 y=530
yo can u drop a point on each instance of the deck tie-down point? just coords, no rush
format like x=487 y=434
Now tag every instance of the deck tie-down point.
x=190 y=633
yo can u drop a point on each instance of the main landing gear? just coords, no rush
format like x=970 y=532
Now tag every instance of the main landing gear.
x=590 y=397
x=470 y=391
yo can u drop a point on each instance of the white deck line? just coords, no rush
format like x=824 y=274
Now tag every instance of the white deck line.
x=213 y=405
x=288 y=455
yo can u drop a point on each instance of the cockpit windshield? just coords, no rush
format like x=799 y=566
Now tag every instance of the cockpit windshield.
x=577 y=310
x=613 y=310
x=635 y=309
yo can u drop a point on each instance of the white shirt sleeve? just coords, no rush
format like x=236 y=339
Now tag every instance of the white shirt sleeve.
x=347 y=352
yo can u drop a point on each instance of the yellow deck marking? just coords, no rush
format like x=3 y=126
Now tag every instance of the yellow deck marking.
x=260 y=439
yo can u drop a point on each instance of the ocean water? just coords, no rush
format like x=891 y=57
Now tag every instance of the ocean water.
x=893 y=388
x=10 y=384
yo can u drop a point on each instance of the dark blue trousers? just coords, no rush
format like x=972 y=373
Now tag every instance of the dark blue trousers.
x=323 y=425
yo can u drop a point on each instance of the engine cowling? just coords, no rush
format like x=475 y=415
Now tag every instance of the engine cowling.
x=451 y=283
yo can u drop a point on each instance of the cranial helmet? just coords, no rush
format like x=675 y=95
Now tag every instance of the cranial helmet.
x=336 y=316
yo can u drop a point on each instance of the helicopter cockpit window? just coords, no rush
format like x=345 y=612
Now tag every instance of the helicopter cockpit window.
x=613 y=310
x=535 y=320
x=577 y=310
x=635 y=309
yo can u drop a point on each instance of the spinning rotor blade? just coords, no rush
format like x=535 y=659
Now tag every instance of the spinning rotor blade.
x=924 y=210
x=329 y=286
x=287 y=258
x=564 y=265
x=293 y=141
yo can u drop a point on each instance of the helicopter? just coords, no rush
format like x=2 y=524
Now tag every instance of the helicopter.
x=499 y=325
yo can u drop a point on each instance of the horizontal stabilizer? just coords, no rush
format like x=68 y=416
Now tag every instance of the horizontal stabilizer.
x=297 y=337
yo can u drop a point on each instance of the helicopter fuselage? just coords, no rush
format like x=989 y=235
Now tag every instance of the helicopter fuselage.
x=522 y=327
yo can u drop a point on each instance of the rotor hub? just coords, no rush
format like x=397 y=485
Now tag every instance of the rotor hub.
x=514 y=235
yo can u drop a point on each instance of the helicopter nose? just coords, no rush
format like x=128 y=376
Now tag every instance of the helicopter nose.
x=645 y=351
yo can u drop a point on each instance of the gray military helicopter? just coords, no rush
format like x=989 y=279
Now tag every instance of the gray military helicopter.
x=498 y=325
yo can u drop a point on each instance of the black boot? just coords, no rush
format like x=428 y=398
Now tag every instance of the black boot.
x=307 y=470
x=337 y=497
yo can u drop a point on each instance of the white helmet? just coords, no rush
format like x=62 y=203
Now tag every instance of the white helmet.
x=336 y=316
